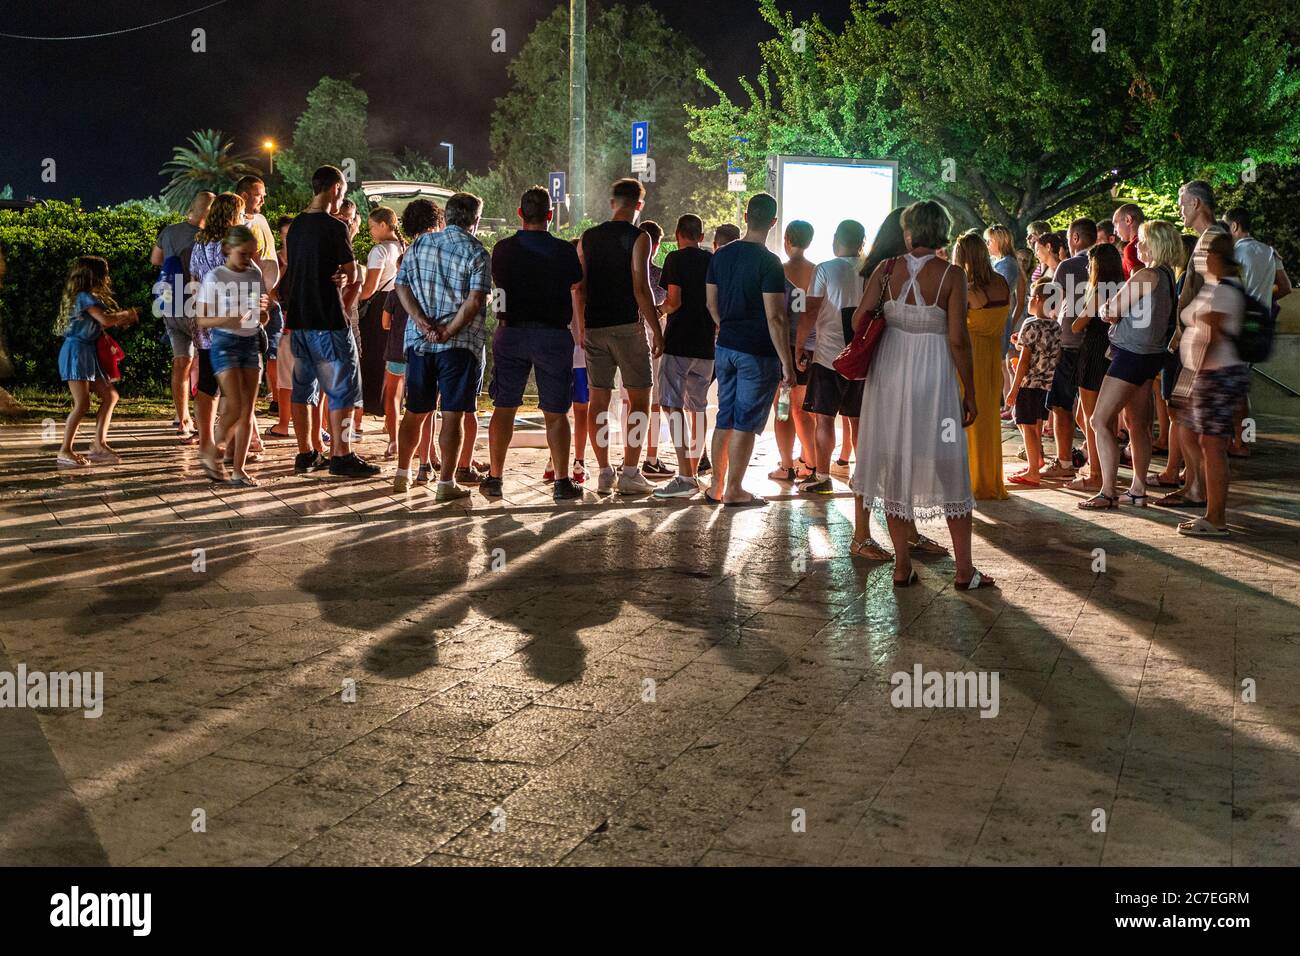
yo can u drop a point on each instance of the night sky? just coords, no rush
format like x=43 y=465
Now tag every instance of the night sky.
x=110 y=110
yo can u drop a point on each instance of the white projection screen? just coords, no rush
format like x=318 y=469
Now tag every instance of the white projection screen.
x=824 y=191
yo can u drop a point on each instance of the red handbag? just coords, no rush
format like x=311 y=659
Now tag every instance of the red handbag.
x=855 y=361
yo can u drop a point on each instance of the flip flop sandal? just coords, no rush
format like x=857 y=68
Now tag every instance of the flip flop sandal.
x=712 y=500
x=1056 y=471
x=754 y=502
x=1154 y=479
x=926 y=545
x=1079 y=485
x=105 y=458
x=1100 y=502
x=781 y=474
x=272 y=433
x=1200 y=528
x=911 y=579
x=190 y=439
x=65 y=462
x=1137 y=501
x=804 y=471
x=243 y=481
x=1022 y=480
x=868 y=550
x=213 y=472
x=976 y=582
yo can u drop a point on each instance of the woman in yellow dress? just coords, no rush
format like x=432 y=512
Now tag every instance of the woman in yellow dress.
x=986 y=318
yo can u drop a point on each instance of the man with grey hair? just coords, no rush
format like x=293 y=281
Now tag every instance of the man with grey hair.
x=443 y=284
x=1197 y=207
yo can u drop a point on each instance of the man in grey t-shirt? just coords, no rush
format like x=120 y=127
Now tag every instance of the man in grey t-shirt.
x=171 y=255
x=1261 y=269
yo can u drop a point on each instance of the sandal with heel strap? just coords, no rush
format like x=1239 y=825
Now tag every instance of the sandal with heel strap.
x=1100 y=502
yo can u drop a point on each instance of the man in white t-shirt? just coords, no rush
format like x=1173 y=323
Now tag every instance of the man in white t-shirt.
x=834 y=295
x=1261 y=269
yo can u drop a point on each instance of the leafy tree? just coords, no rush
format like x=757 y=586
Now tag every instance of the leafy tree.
x=1013 y=121
x=331 y=130
x=1272 y=197
x=413 y=166
x=209 y=162
x=638 y=68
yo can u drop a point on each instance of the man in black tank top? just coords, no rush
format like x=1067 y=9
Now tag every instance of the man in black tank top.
x=616 y=293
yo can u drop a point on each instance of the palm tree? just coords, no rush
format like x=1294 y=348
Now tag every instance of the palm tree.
x=207 y=163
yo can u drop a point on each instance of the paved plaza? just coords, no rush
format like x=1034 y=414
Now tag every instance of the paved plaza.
x=632 y=682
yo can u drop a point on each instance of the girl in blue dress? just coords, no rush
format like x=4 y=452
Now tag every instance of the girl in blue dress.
x=86 y=310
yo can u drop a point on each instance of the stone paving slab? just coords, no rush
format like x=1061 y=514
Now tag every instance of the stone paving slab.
x=355 y=678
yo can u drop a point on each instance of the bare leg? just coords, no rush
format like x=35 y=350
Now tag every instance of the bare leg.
x=1107 y=402
x=1193 y=458
x=104 y=417
x=1214 y=452
x=721 y=444
x=804 y=426
x=469 y=425
x=639 y=402
x=409 y=437
x=740 y=448
x=449 y=443
x=500 y=430
x=1139 y=411
x=599 y=423
x=580 y=427
x=181 y=388
x=80 y=406
x=823 y=442
x=557 y=439
x=899 y=528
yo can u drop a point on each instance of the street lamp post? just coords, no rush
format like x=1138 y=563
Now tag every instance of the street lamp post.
x=269 y=146
x=451 y=152
x=578 y=109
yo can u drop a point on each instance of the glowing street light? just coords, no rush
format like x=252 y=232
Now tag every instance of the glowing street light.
x=269 y=146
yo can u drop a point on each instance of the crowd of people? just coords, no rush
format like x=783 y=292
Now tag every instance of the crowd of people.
x=1128 y=335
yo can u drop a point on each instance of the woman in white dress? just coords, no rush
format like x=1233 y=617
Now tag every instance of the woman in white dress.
x=911 y=457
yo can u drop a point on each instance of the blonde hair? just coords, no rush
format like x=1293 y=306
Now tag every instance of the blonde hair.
x=237 y=236
x=1000 y=236
x=227 y=210
x=1164 y=242
x=88 y=274
x=971 y=256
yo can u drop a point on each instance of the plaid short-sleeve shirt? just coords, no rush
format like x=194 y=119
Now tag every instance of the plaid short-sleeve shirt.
x=441 y=269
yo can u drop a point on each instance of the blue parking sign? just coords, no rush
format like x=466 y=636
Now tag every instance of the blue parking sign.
x=558 y=182
x=641 y=138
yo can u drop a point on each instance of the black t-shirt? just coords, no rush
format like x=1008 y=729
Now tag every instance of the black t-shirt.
x=535 y=272
x=690 y=331
x=317 y=244
x=607 y=257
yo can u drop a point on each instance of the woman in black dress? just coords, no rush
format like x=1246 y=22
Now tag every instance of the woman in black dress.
x=1105 y=279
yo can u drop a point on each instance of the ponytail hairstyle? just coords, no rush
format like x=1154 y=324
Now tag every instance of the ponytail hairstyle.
x=87 y=274
x=389 y=218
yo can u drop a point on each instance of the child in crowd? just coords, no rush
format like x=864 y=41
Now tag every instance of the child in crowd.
x=86 y=309
x=1039 y=340
x=232 y=303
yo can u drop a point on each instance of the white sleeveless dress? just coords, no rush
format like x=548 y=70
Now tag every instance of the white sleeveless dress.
x=911 y=458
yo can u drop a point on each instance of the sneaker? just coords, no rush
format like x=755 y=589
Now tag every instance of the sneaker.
x=490 y=487
x=424 y=475
x=657 y=469
x=352 y=465
x=566 y=490
x=680 y=487
x=306 y=461
x=468 y=476
x=703 y=468
x=450 y=492
x=632 y=482
x=401 y=484
x=579 y=471
x=605 y=482
x=816 y=486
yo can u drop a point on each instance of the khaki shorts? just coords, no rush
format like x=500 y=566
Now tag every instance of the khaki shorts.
x=619 y=348
x=284 y=363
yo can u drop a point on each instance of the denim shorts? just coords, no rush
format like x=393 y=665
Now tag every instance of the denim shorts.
x=454 y=374
x=274 y=329
x=395 y=368
x=747 y=385
x=325 y=361
x=1136 y=368
x=546 y=352
x=234 y=351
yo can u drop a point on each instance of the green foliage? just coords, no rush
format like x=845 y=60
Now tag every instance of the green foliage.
x=41 y=244
x=1026 y=114
x=331 y=130
x=638 y=68
x=207 y=163
x=1273 y=201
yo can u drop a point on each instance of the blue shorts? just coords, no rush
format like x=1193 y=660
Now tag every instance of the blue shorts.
x=581 y=393
x=747 y=385
x=395 y=368
x=234 y=351
x=325 y=361
x=1136 y=368
x=547 y=353
x=454 y=374
x=274 y=329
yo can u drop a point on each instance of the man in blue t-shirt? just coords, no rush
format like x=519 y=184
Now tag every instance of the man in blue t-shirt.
x=746 y=297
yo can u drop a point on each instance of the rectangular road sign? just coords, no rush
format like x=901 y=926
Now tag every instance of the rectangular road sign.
x=641 y=138
x=558 y=182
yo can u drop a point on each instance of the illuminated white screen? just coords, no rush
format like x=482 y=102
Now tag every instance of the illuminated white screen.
x=827 y=193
